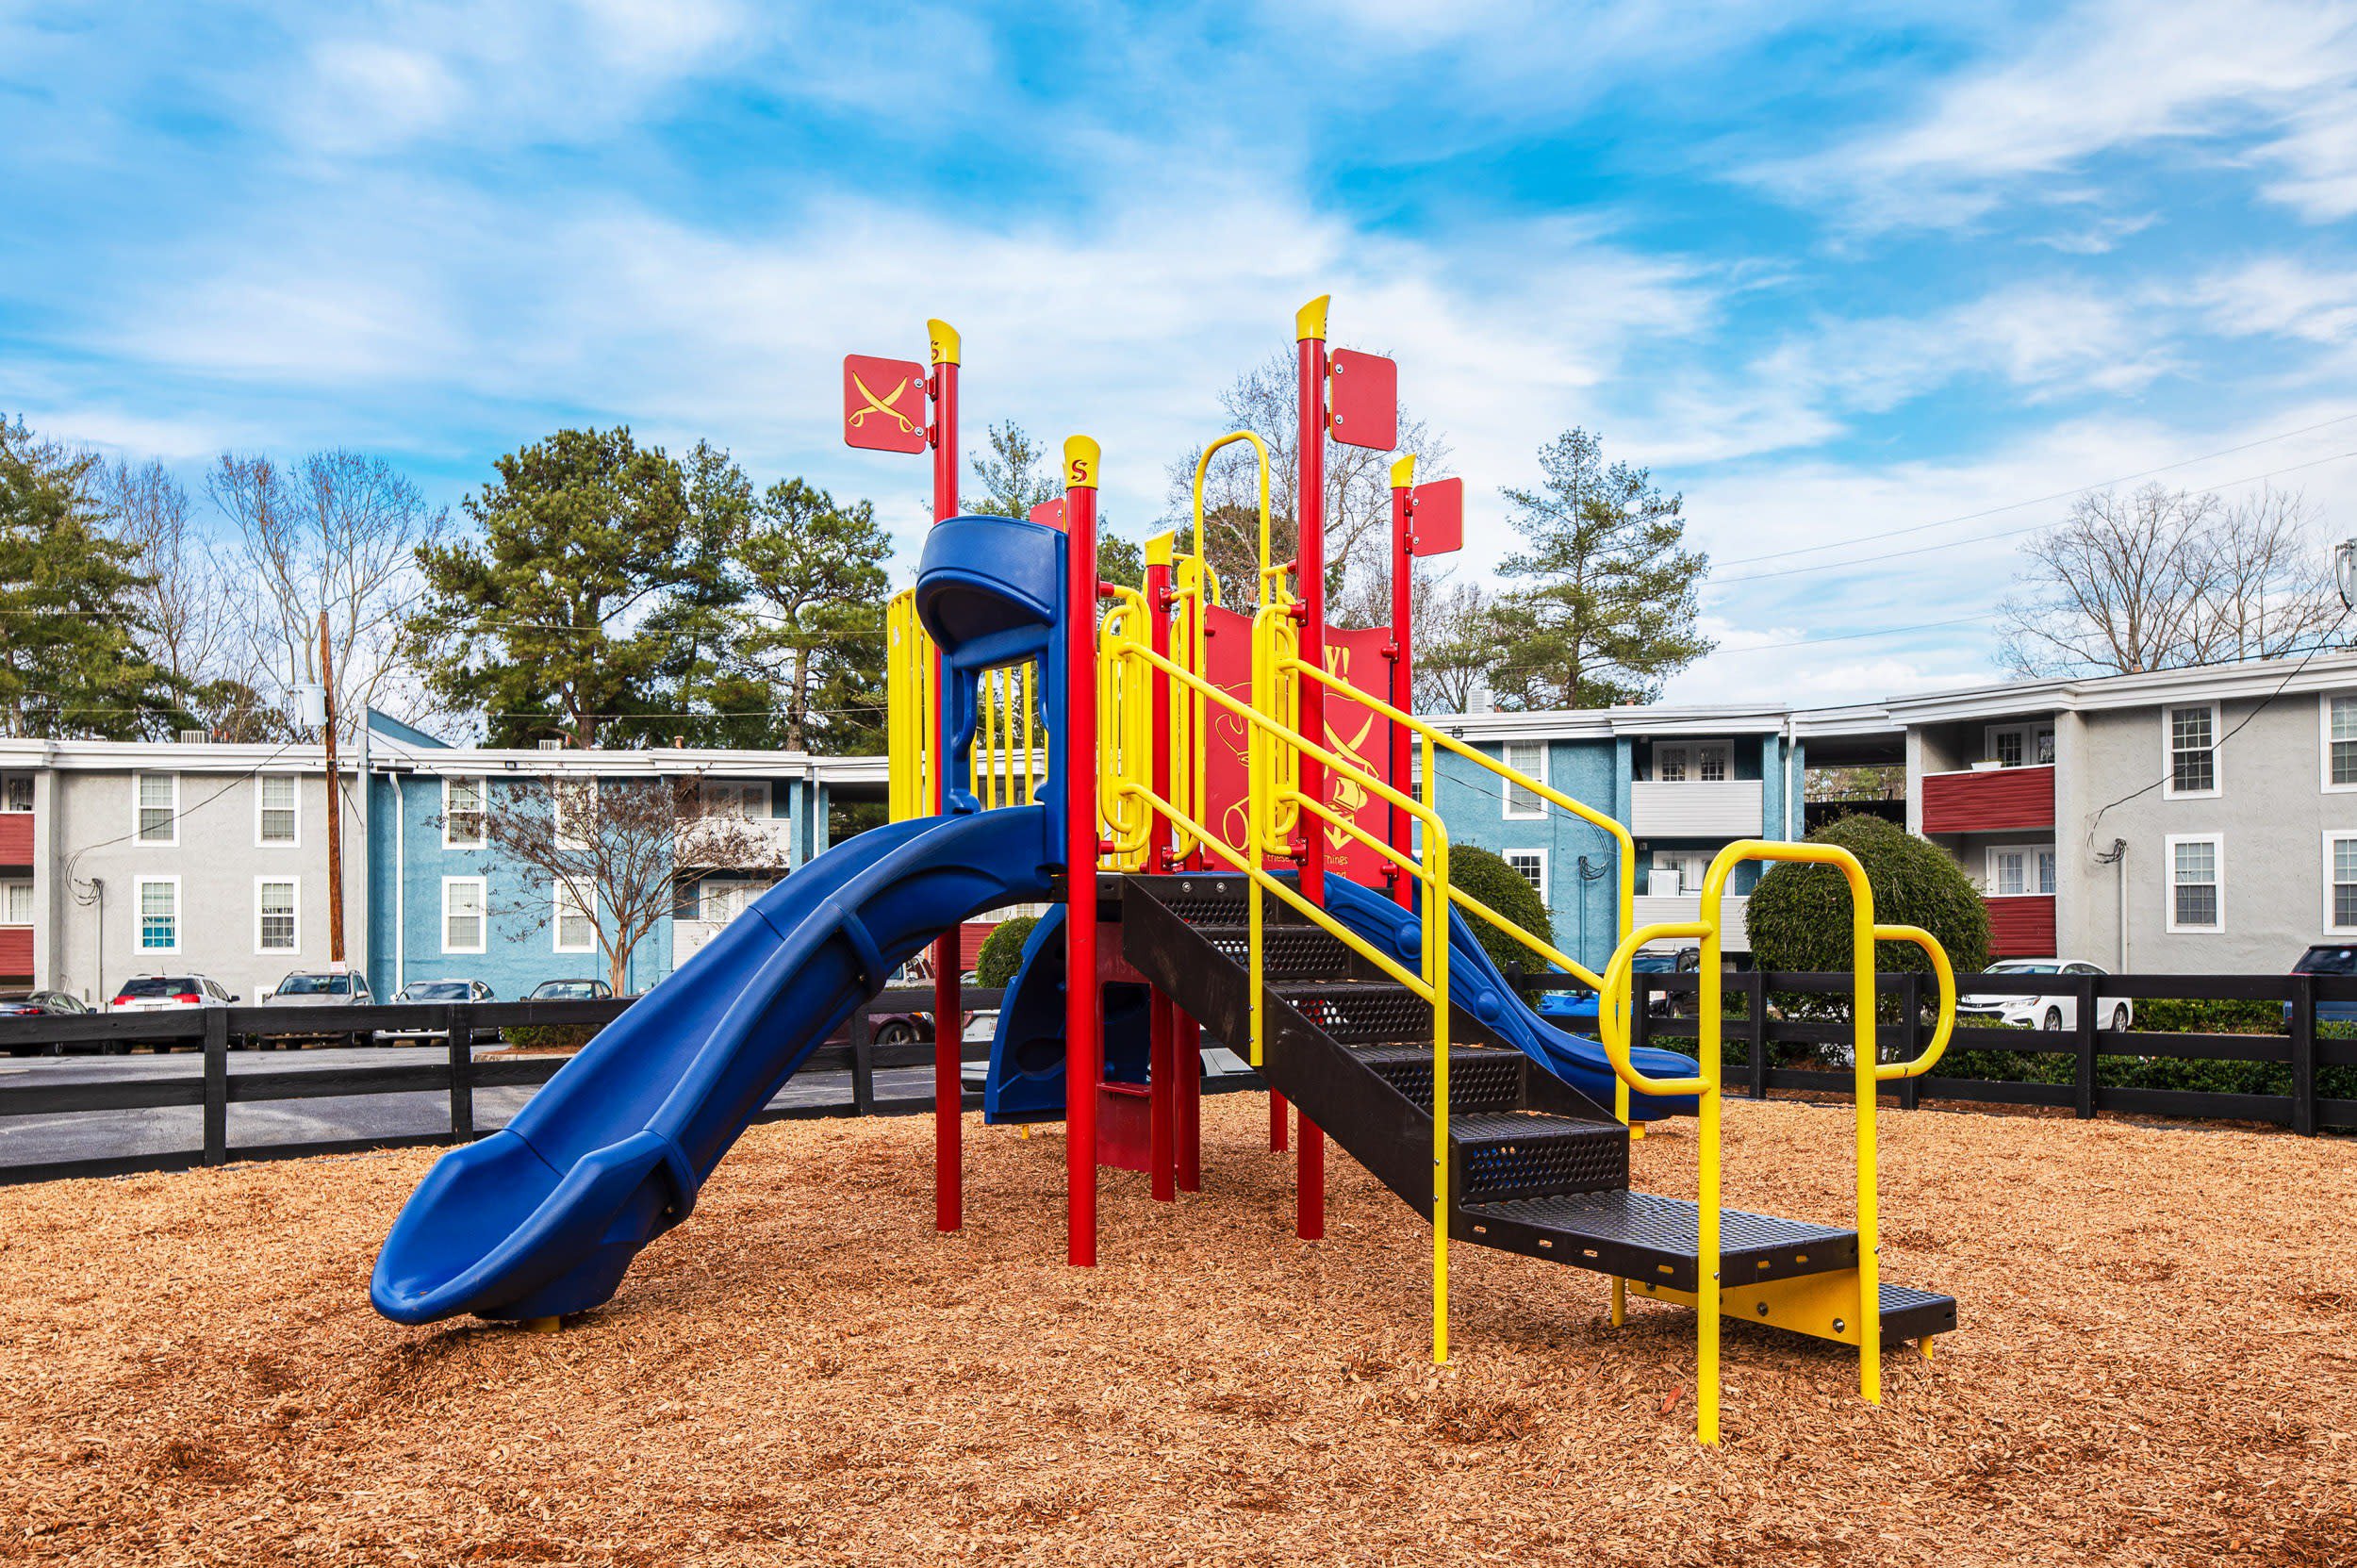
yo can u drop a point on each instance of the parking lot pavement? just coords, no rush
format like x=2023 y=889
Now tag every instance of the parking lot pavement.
x=114 y=1134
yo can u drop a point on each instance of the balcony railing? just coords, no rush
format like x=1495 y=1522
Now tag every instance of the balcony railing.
x=772 y=841
x=1993 y=799
x=1722 y=808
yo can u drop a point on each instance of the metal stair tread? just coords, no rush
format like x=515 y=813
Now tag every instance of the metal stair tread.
x=1654 y=1223
x=1498 y=1126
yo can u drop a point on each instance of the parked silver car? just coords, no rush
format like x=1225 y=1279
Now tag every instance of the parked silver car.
x=318 y=988
x=426 y=992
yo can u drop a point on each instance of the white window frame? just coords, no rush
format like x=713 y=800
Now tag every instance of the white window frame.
x=261 y=950
x=2029 y=854
x=560 y=908
x=8 y=792
x=2169 y=752
x=483 y=912
x=260 y=779
x=2028 y=730
x=482 y=808
x=742 y=789
x=7 y=893
x=2168 y=881
x=1690 y=753
x=2324 y=741
x=137 y=837
x=139 y=914
x=558 y=785
x=1537 y=809
x=1538 y=856
x=2332 y=836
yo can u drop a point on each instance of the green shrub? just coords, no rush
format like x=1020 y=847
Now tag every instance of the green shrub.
x=1002 y=951
x=2171 y=1015
x=1483 y=874
x=548 y=1037
x=1799 y=916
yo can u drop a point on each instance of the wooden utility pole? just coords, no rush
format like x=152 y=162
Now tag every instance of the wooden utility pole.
x=335 y=805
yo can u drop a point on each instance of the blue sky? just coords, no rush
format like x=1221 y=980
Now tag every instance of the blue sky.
x=1832 y=270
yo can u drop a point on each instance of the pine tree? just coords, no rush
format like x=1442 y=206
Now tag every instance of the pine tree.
x=1605 y=606
x=71 y=660
x=1017 y=476
x=815 y=573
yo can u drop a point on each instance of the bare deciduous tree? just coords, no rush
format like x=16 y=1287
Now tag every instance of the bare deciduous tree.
x=2167 y=578
x=1455 y=651
x=610 y=853
x=339 y=532
x=1357 y=498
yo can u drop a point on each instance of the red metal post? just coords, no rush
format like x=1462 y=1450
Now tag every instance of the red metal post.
x=1162 y=1058
x=1403 y=662
x=948 y=1004
x=1310 y=558
x=1084 y=1046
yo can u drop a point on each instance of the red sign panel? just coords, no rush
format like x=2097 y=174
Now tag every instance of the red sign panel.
x=1352 y=730
x=1048 y=514
x=1365 y=400
x=1436 y=517
x=884 y=403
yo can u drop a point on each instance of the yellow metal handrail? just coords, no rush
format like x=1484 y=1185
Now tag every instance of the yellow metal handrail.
x=1009 y=755
x=1614 y=1031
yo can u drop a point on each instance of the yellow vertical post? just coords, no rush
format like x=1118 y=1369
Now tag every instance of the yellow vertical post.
x=1863 y=1050
x=1436 y=931
x=1706 y=1282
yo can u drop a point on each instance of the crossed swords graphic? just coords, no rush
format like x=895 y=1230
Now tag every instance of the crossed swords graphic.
x=881 y=405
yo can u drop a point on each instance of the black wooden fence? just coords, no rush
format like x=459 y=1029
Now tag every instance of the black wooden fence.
x=2304 y=1049
x=216 y=1030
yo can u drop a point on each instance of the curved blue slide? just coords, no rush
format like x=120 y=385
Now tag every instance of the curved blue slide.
x=544 y=1216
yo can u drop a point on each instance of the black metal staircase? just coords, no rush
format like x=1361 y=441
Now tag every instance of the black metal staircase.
x=1535 y=1166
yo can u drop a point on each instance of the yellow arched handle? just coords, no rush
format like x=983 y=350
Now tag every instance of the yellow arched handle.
x=1946 y=1023
x=1612 y=1011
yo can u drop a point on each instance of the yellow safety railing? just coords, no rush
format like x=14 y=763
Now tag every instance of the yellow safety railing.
x=909 y=708
x=1008 y=758
x=1269 y=736
x=1705 y=1085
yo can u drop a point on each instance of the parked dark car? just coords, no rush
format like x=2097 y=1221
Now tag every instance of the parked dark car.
x=571 y=990
x=2328 y=958
x=40 y=1004
x=428 y=991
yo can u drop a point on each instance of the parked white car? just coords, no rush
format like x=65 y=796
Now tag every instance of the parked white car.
x=168 y=993
x=2059 y=1011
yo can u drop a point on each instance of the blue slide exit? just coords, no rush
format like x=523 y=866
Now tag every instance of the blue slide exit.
x=544 y=1216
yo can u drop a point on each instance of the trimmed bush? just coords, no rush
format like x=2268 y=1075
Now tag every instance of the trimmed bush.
x=548 y=1037
x=1484 y=874
x=1002 y=951
x=1799 y=916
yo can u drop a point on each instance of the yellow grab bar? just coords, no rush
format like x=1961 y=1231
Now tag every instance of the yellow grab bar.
x=1946 y=1023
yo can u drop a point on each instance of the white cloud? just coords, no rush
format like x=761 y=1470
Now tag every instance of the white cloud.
x=2282 y=297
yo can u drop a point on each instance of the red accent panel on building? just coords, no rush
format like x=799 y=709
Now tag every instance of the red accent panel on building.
x=2021 y=927
x=16 y=838
x=16 y=953
x=2001 y=799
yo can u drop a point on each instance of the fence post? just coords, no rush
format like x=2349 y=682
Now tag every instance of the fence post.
x=2303 y=1031
x=1639 y=1011
x=1756 y=983
x=1911 y=1035
x=864 y=1060
x=216 y=1085
x=2083 y=989
x=461 y=1043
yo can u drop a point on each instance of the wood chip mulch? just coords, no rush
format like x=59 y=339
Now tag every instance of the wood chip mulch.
x=2157 y=1364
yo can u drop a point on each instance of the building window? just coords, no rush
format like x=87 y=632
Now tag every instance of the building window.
x=2016 y=870
x=2195 y=894
x=1531 y=866
x=734 y=798
x=159 y=807
x=576 y=928
x=16 y=792
x=2340 y=884
x=2022 y=745
x=1693 y=762
x=722 y=902
x=572 y=805
x=1677 y=873
x=2340 y=742
x=462 y=814
x=274 y=923
x=2192 y=759
x=462 y=914
x=274 y=820
x=159 y=914
x=1528 y=758
x=19 y=904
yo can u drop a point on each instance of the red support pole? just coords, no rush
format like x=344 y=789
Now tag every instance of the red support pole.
x=1402 y=663
x=949 y=1005
x=1162 y=1078
x=1276 y=1122
x=1083 y=1045
x=1310 y=558
x=1187 y=1046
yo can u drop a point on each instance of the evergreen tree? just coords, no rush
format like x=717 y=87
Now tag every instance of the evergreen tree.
x=539 y=625
x=701 y=620
x=1606 y=604
x=71 y=626
x=815 y=573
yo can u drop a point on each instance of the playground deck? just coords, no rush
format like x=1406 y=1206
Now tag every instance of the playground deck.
x=2155 y=1368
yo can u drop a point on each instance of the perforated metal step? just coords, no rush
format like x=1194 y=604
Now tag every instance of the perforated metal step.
x=1504 y=1154
x=1480 y=1078
x=1644 y=1235
x=1287 y=953
x=1357 y=1013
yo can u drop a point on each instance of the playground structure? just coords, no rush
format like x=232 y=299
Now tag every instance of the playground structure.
x=1241 y=838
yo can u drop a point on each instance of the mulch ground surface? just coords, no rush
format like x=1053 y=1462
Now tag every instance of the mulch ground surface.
x=2156 y=1365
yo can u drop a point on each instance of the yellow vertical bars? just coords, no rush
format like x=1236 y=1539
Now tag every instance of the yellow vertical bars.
x=1436 y=931
x=910 y=704
x=1865 y=1055
x=1707 y=1249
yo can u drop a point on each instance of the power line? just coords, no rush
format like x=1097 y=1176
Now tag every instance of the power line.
x=2037 y=500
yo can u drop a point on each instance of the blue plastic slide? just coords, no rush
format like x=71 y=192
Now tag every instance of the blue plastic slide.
x=544 y=1216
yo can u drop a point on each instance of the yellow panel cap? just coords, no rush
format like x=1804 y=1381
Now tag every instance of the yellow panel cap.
x=1081 y=457
x=1404 y=470
x=1159 y=549
x=944 y=340
x=1309 y=320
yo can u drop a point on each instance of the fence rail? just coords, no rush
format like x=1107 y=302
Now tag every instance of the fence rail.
x=2306 y=1048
